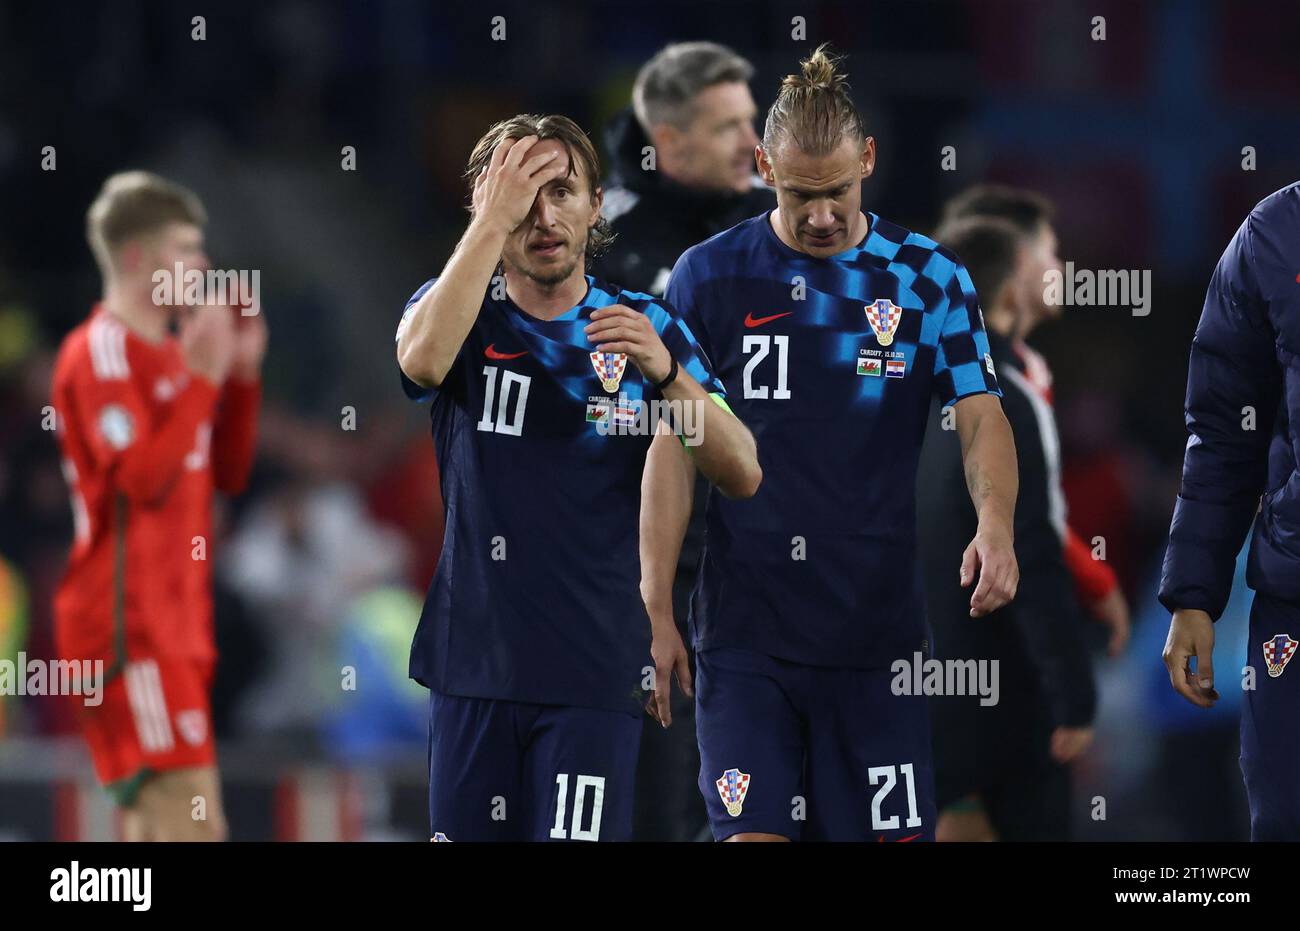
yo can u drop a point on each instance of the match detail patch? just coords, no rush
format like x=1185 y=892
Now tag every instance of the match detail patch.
x=116 y=426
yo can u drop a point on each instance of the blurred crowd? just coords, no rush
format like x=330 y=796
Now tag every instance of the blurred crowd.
x=323 y=563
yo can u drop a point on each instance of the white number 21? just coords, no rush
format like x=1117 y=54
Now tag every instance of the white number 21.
x=877 y=773
x=760 y=344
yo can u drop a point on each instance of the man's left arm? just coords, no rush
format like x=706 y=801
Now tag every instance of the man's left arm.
x=988 y=454
x=963 y=371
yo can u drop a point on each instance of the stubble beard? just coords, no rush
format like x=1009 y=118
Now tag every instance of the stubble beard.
x=557 y=277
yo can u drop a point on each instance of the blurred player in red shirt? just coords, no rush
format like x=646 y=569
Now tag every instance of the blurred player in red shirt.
x=156 y=406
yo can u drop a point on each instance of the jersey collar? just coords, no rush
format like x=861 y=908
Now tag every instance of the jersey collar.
x=568 y=316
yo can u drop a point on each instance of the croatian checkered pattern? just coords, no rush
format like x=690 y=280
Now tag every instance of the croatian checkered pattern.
x=952 y=323
x=732 y=787
x=1277 y=653
x=883 y=316
x=788 y=335
x=609 y=368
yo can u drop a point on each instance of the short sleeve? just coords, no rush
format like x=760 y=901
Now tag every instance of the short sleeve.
x=418 y=392
x=685 y=348
x=963 y=364
x=683 y=296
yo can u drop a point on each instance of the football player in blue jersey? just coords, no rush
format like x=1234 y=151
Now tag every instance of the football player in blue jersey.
x=833 y=329
x=546 y=389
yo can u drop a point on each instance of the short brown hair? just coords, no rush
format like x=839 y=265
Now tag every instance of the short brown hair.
x=1027 y=210
x=989 y=248
x=581 y=153
x=136 y=203
x=814 y=108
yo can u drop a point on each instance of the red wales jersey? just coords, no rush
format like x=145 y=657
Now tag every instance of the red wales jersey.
x=144 y=442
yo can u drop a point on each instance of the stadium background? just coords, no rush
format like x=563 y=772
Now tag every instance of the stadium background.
x=1138 y=139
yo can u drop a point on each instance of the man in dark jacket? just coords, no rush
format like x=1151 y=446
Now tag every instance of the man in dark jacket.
x=683 y=161
x=683 y=170
x=1002 y=766
x=1095 y=582
x=1243 y=417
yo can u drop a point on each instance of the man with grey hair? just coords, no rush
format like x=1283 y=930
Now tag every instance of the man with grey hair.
x=683 y=157
x=683 y=160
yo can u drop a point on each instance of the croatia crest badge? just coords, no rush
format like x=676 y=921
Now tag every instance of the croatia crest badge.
x=1278 y=652
x=609 y=368
x=883 y=315
x=732 y=787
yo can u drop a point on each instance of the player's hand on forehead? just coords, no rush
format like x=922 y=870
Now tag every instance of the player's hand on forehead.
x=508 y=185
x=515 y=153
x=512 y=150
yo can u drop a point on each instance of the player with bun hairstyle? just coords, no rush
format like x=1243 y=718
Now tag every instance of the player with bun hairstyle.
x=832 y=329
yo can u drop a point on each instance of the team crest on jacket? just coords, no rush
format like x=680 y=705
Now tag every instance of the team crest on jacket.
x=883 y=315
x=732 y=787
x=609 y=368
x=1278 y=652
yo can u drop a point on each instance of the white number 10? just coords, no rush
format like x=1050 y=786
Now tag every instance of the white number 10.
x=595 y=783
x=515 y=425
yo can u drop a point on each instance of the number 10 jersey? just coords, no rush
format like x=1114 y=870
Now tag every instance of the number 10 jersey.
x=540 y=444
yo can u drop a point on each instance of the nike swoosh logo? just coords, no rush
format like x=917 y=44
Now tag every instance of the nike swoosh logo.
x=491 y=353
x=751 y=321
x=901 y=840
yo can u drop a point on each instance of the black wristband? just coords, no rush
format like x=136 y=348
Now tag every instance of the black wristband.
x=670 y=377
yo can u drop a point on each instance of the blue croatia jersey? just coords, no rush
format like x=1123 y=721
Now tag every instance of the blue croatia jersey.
x=831 y=363
x=536 y=597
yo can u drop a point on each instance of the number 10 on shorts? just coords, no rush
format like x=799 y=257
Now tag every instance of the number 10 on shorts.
x=889 y=776
x=585 y=786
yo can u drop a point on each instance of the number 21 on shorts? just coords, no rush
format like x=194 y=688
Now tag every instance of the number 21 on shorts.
x=887 y=777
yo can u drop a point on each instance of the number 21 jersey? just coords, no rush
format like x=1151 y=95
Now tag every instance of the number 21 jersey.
x=832 y=363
